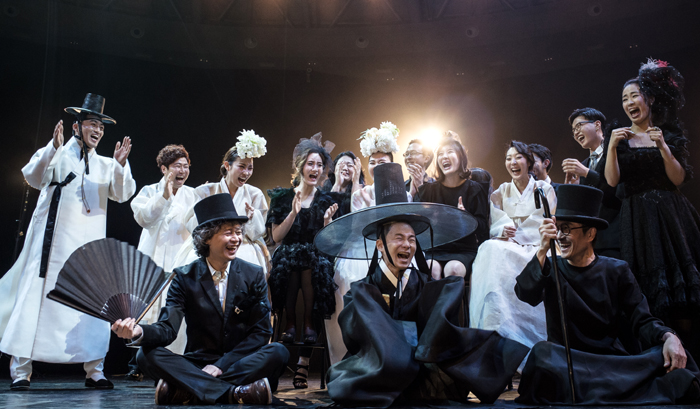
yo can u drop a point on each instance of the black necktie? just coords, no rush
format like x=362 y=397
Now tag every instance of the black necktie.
x=51 y=223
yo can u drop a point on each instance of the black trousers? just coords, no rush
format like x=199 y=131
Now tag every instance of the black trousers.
x=186 y=372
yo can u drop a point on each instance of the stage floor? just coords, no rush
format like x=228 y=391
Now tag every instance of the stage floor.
x=63 y=392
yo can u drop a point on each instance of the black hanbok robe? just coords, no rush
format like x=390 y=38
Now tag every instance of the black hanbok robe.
x=595 y=298
x=414 y=347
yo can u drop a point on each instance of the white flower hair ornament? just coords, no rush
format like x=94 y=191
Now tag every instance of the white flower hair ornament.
x=379 y=140
x=250 y=145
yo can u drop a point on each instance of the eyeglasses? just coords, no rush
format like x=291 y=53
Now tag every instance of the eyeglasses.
x=565 y=229
x=578 y=126
x=412 y=153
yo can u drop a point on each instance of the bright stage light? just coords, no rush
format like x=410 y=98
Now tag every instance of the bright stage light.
x=431 y=137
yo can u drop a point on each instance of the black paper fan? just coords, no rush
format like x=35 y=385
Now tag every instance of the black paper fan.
x=110 y=280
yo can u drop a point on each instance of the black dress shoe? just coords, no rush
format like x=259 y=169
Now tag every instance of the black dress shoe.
x=21 y=385
x=101 y=384
x=256 y=393
x=134 y=375
x=167 y=394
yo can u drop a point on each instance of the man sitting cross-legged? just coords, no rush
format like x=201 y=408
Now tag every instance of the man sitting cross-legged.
x=224 y=302
x=596 y=291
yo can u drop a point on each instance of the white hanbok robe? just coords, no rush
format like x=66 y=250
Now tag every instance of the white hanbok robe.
x=253 y=248
x=164 y=232
x=33 y=326
x=493 y=304
x=347 y=271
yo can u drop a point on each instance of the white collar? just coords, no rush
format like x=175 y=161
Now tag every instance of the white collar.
x=212 y=270
x=392 y=277
x=598 y=152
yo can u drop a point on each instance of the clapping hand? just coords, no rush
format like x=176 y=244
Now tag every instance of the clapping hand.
x=328 y=216
x=296 y=203
x=249 y=211
x=574 y=167
x=460 y=205
x=121 y=151
x=58 y=135
x=169 y=179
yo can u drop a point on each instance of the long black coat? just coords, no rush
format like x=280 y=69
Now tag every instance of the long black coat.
x=227 y=336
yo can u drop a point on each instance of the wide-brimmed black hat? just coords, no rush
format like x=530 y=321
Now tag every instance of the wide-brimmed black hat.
x=580 y=204
x=93 y=104
x=354 y=235
x=217 y=207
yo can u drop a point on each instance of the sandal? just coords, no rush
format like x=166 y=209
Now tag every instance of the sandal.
x=301 y=378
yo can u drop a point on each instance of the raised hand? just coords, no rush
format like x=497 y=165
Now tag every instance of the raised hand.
x=574 y=167
x=169 y=179
x=460 y=205
x=657 y=136
x=249 y=211
x=296 y=203
x=356 y=170
x=121 y=151
x=328 y=216
x=58 y=135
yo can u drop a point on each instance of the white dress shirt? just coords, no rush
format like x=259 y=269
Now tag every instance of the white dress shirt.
x=221 y=284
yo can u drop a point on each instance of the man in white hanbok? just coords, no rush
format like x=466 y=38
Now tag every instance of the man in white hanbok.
x=70 y=212
x=160 y=209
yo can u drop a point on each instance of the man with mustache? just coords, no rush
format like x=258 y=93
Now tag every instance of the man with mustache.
x=596 y=291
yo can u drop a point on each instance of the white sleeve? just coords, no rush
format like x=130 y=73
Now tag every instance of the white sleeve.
x=39 y=171
x=123 y=185
x=150 y=207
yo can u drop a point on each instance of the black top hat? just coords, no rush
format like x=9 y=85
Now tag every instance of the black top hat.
x=389 y=186
x=580 y=204
x=217 y=207
x=93 y=104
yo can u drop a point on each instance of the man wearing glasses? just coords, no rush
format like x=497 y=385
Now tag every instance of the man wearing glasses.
x=75 y=184
x=417 y=159
x=598 y=293
x=160 y=210
x=587 y=125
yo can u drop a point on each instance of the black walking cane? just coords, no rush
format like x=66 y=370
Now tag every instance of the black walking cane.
x=540 y=196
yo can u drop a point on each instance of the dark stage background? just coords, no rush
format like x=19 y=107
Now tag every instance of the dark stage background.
x=204 y=109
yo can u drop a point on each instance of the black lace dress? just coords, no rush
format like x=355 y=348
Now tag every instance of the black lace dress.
x=659 y=228
x=297 y=251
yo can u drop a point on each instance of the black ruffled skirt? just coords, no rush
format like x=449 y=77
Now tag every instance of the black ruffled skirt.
x=299 y=257
x=660 y=239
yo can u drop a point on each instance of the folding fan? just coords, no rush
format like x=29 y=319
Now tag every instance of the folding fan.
x=109 y=280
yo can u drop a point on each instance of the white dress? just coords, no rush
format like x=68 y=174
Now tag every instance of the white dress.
x=347 y=271
x=493 y=304
x=253 y=248
x=164 y=232
x=33 y=326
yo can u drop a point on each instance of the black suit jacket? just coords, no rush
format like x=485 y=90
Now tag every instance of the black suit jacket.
x=610 y=208
x=212 y=334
